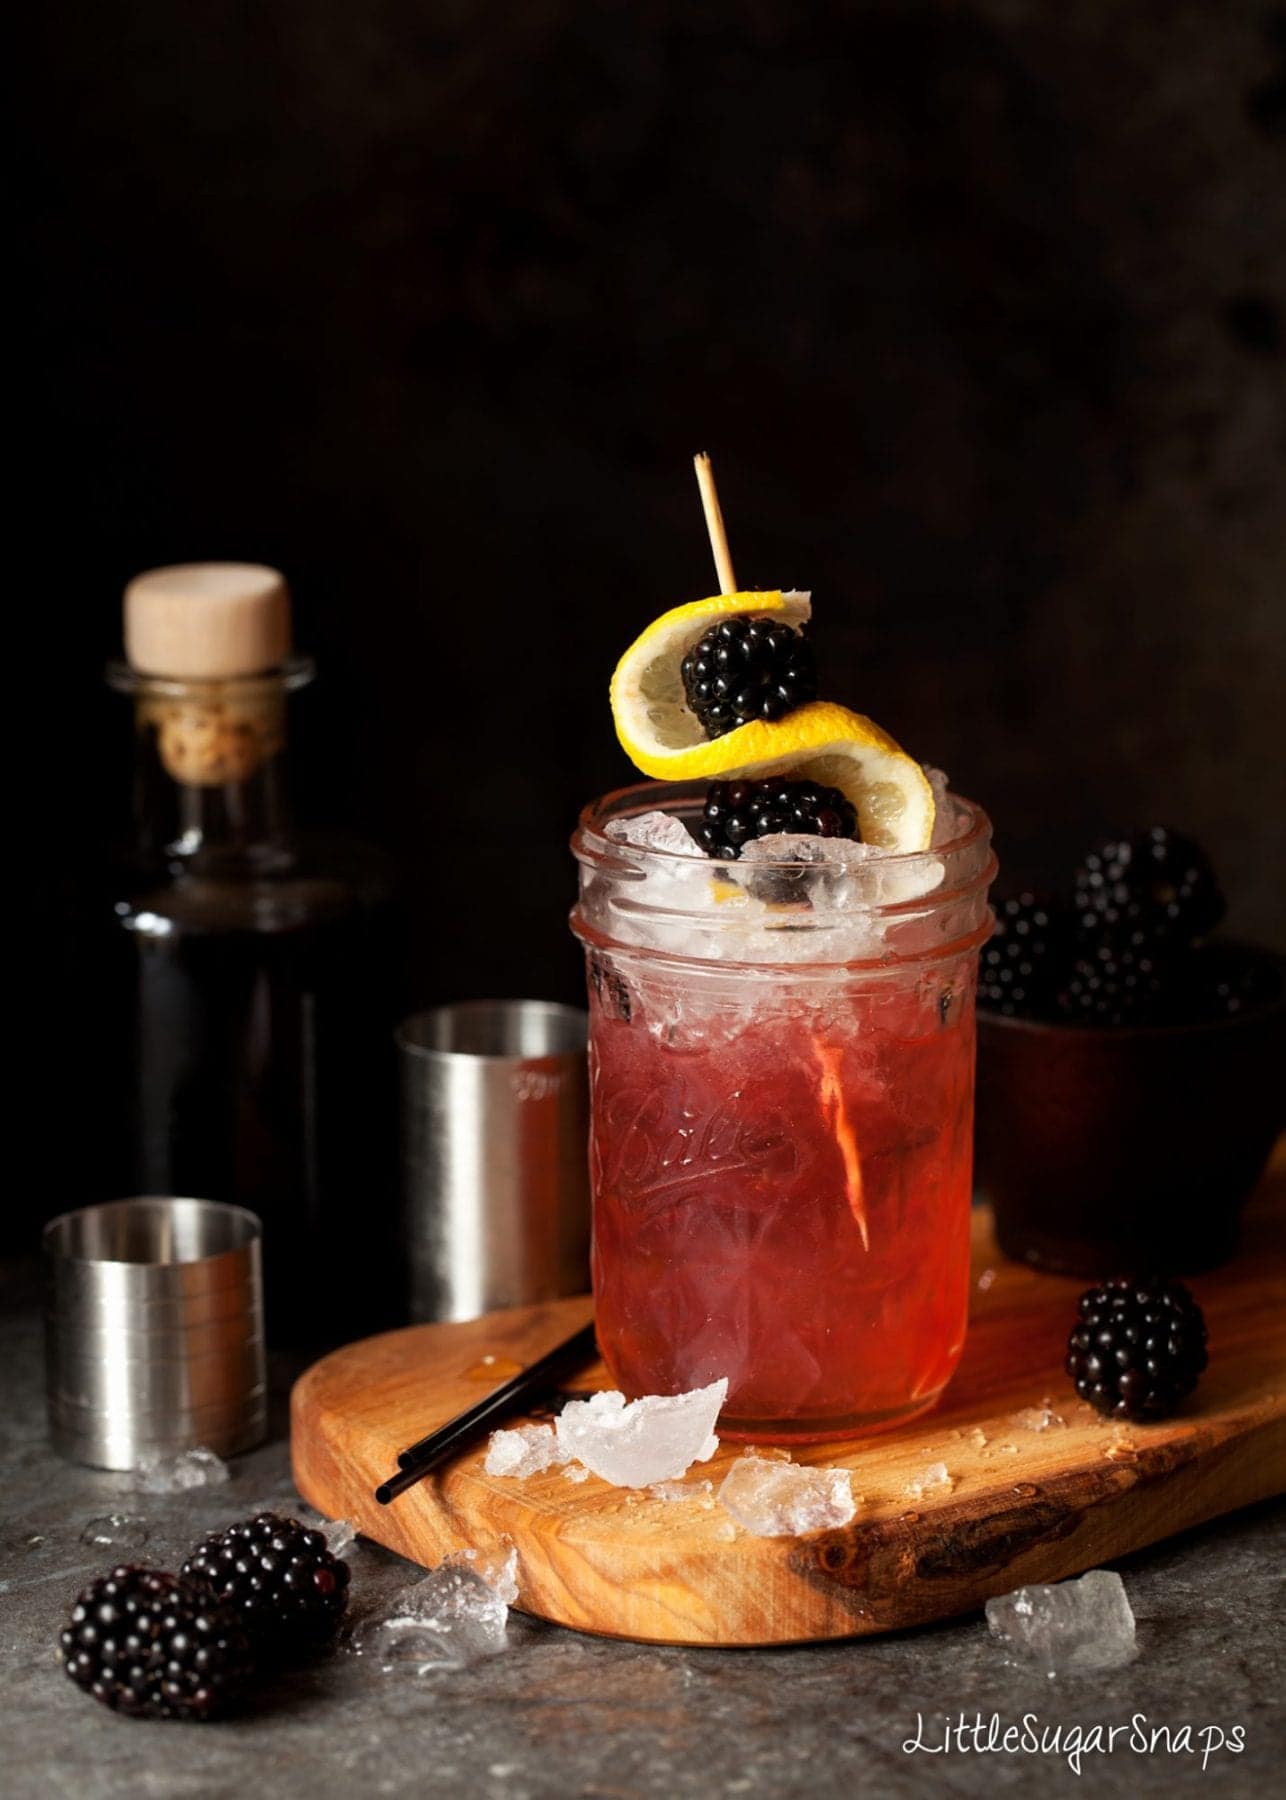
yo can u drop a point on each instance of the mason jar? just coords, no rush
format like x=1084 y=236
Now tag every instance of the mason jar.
x=781 y=1076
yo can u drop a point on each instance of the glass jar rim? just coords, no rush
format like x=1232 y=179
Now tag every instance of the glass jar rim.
x=653 y=795
x=865 y=912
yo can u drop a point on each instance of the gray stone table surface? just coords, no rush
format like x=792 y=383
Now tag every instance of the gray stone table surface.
x=558 y=1714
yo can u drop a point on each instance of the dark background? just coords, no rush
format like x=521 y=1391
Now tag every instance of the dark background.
x=981 y=308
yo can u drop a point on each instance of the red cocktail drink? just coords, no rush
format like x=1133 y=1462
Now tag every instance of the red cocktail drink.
x=781 y=1135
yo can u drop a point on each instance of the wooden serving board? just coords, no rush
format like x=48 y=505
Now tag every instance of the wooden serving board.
x=1025 y=1505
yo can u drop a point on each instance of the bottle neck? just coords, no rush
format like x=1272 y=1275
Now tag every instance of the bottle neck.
x=245 y=817
x=210 y=783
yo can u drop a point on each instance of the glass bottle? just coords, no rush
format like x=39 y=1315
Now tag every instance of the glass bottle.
x=250 y=980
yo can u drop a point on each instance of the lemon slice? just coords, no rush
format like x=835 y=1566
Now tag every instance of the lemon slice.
x=648 y=702
x=818 y=742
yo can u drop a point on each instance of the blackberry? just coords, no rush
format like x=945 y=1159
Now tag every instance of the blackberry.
x=1113 y=984
x=736 y=811
x=1138 y=1347
x=280 y=1579
x=1155 y=885
x=1026 y=960
x=154 y=1646
x=748 y=667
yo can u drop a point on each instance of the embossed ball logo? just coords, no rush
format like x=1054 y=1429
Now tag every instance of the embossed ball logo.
x=651 y=1150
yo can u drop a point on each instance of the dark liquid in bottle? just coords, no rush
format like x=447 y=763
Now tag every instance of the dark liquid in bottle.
x=254 y=1059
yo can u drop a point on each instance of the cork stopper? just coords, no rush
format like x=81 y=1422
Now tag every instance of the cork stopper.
x=211 y=630
x=207 y=621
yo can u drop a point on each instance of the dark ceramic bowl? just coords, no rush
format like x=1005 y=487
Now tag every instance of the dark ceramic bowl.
x=1131 y=1149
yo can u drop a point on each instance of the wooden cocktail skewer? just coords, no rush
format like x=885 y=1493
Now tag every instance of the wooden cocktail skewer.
x=714 y=523
x=831 y=1092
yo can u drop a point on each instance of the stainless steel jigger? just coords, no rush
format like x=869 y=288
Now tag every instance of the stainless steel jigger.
x=495 y=1134
x=154 y=1330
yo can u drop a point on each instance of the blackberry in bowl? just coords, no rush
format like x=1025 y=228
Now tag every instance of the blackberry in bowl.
x=1023 y=962
x=1157 y=886
x=1129 y=1072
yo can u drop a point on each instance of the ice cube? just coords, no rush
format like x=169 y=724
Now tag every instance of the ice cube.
x=932 y=1480
x=119 y=1531
x=700 y=1491
x=497 y=1567
x=163 y=1472
x=789 y=869
x=945 y=823
x=1070 y=1626
x=454 y=1616
x=802 y=866
x=672 y=904
x=340 y=1536
x=784 y=1499
x=1038 y=1418
x=657 y=1438
x=801 y=847
x=805 y=858
x=842 y=881
x=654 y=831
x=895 y=880
x=526 y=1450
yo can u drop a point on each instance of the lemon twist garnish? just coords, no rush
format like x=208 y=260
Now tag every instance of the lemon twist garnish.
x=820 y=742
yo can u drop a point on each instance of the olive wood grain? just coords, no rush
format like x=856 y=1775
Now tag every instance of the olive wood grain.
x=1025 y=1505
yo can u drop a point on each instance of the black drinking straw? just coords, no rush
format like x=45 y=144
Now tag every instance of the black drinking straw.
x=520 y=1391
